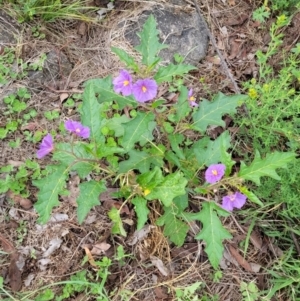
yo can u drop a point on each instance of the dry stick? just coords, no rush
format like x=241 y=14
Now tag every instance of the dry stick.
x=213 y=41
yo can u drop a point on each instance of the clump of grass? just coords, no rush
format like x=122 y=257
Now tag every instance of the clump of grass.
x=49 y=10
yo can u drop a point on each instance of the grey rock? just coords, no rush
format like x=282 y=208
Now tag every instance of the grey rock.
x=9 y=29
x=56 y=66
x=184 y=33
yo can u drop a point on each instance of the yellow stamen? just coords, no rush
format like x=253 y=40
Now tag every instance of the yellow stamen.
x=215 y=172
x=125 y=83
x=146 y=192
x=144 y=89
x=192 y=98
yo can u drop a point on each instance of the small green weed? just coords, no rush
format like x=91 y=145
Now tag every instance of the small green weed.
x=249 y=291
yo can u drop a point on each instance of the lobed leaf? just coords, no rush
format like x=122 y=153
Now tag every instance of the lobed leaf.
x=88 y=197
x=266 y=166
x=141 y=210
x=104 y=90
x=211 y=112
x=209 y=151
x=75 y=155
x=182 y=107
x=173 y=185
x=166 y=74
x=141 y=161
x=213 y=232
x=150 y=45
x=126 y=58
x=90 y=113
x=174 y=228
x=139 y=130
x=176 y=140
x=49 y=189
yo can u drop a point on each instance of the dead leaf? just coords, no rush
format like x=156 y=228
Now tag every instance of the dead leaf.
x=31 y=126
x=160 y=266
x=100 y=248
x=240 y=259
x=25 y=203
x=90 y=257
x=63 y=96
x=255 y=267
x=15 y=163
x=14 y=273
x=185 y=251
x=6 y=245
x=159 y=293
x=214 y=59
x=54 y=245
x=73 y=187
x=239 y=20
x=139 y=235
x=256 y=240
x=82 y=28
x=108 y=204
x=235 y=48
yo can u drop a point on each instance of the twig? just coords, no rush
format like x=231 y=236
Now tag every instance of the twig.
x=213 y=41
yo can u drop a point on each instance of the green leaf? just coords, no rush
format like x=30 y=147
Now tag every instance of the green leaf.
x=141 y=161
x=116 y=124
x=213 y=232
x=50 y=187
x=139 y=130
x=211 y=112
x=90 y=113
x=142 y=211
x=150 y=44
x=172 y=186
x=126 y=58
x=209 y=151
x=88 y=197
x=46 y=295
x=76 y=157
x=104 y=90
x=251 y=196
x=174 y=227
x=176 y=140
x=150 y=179
x=165 y=74
x=182 y=107
x=265 y=167
x=117 y=227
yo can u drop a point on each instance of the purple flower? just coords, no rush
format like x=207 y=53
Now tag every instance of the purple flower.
x=231 y=201
x=214 y=173
x=77 y=128
x=123 y=83
x=192 y=99
x=46 y=146
x=144 y=89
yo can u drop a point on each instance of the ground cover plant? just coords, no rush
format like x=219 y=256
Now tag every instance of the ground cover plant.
x=163 y=164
